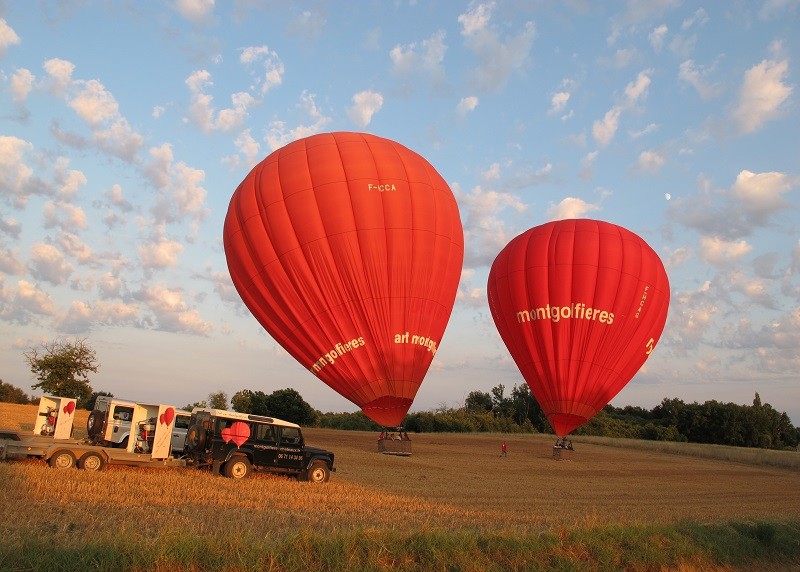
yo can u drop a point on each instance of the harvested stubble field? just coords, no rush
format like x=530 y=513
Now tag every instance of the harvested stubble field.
x=454 y=488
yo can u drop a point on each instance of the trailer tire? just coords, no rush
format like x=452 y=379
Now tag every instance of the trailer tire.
x=62 y=459
x=94 y=424
x=91 y=461
x=195 y=438
x=318 y=472
x=238 y=467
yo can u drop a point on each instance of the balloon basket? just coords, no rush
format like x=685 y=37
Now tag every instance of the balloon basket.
x=394 y=442
x=562 y=450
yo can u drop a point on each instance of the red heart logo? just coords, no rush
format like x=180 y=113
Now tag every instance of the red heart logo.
x=168 y=416
x=69 y=407
x=238 y=433
x=161 y=418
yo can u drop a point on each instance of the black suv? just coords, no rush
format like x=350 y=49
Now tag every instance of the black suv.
x=235 y=443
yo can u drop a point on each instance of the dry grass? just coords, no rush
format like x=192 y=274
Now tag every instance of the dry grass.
x=455 y=504
x=452 y=481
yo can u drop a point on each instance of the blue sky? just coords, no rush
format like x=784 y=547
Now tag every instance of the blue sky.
x=126 y=126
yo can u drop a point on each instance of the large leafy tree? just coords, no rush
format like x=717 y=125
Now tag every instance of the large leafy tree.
x=62 y=367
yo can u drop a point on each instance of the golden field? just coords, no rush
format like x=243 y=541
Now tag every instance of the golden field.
x=452 y=482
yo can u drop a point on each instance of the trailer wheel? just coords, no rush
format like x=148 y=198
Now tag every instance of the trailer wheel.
x=62 y=459
x=318 y=472
x=237 y=468
x=91 y=462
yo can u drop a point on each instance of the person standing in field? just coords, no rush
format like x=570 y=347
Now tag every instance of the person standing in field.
x=503 y=449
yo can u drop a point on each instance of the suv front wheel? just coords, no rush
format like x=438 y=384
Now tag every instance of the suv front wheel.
x=237 y=468
x=318 y=472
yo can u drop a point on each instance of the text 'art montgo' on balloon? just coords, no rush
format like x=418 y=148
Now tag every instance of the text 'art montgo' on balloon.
x=580 y=305
x=347 y=248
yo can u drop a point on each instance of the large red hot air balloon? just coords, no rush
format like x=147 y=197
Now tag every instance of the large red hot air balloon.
x=580 y=304
x=347 y=248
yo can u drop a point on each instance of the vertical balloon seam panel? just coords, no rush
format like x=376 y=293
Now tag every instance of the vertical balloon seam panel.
x=295 y=327
x=284 y=260
x=388 y=366
x=361 y=382
x=651 y=325
x=251 y=286
x=585 y=360
x=548 y=391
x=609 y=339
x=424 y=323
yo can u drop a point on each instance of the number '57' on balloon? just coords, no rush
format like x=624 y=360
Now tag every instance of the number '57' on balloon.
x=347 y=248
x=580 y=305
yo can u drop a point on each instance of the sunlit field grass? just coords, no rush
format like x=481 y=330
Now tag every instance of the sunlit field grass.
x=454 y=500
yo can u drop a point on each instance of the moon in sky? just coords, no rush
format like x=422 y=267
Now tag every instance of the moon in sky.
x=667 y=196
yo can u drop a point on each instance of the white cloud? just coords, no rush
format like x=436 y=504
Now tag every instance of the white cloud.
x=82 y=316
x=173 y=313
x=696 y=76
x=762 y=94
x=202 y=111
x=637 y=89
x=425 y=60
x=21 y=85
x=651 y=161
x=273 y=68
x=365 y=105
x=60 y=75
x=196 y=11
x=466 y=105
x=559 y=101
x=604 y=130
x=761 y=194
x=720 y=252
x=48 y=264
x=8 y=37
x=485 y=231
x=570 y=207
x=279 y=135
x=63 y=215
x=497 y=57
x=15 y=176
x=16 y=304
x=657 y=36
x=162 y=253
x=10 y=263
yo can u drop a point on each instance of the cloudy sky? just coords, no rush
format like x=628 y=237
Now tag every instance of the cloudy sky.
x=126 y=126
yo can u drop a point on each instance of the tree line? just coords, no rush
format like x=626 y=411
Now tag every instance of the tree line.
x=62 y=368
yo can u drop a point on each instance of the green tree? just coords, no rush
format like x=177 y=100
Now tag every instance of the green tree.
x=218 y=400
x=12 y=394
x=242 y=401
x=289 y=405
x=478 y=402
x=62 y=367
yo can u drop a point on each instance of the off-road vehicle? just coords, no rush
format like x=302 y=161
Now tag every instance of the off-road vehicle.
x=234 y=443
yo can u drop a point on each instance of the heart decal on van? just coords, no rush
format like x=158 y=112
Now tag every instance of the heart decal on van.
x=238 y=433
x=69 y=408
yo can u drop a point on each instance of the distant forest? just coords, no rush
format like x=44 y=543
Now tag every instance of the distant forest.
x=714 y=422
x=757 y=425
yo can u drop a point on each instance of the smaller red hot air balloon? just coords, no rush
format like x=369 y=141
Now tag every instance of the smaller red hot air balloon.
x=580 y=305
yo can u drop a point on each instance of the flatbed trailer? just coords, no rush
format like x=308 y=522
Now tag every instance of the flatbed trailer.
x=65 y=454
x=151 y=448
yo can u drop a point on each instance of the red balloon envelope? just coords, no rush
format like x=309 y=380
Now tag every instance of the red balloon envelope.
x=580 y=304
x=347 y=248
